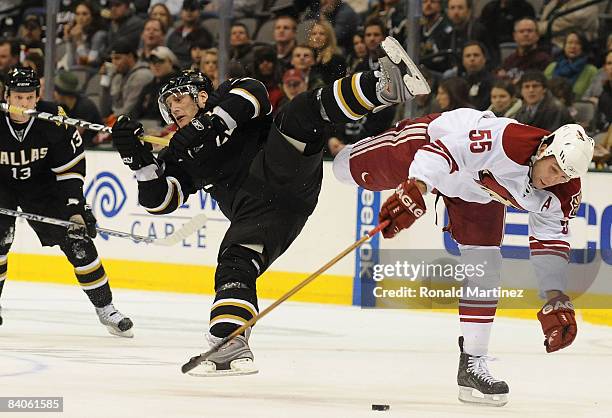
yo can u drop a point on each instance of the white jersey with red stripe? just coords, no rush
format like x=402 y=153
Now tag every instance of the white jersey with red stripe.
x=477 y=157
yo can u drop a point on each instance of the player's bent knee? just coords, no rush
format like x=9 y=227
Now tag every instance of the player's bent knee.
x=300 y=119
x=79 y=252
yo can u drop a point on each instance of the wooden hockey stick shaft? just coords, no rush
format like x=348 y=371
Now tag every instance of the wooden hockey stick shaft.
x=77 y=123
x=197 y=360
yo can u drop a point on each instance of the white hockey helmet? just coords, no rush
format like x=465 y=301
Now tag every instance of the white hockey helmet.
x=572 y=148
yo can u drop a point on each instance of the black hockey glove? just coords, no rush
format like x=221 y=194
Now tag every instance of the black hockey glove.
x=204 y=132
x=80 y=213
x=134 y=153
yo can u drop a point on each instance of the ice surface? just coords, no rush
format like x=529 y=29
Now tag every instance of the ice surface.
x=315 y=361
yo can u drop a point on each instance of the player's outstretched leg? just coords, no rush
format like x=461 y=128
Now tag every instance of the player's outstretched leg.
x=352 y=97
x=91 y=276
x=474 y=376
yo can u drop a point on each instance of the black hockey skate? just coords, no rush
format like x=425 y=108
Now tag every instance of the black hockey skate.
x=476 y=385
x=0 y=315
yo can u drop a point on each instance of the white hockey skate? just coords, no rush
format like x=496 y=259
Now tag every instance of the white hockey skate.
x=233 y=359
x=400 y=78
x=115 y=322
x=476 y=385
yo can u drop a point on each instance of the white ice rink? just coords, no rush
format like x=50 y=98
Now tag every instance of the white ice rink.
x=315 y=361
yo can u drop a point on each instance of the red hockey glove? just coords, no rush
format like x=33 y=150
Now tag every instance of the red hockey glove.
x=558 y=321
x=402 y=208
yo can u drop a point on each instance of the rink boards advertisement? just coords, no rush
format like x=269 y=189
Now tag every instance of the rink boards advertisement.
x=112 y=191
x=343 y=214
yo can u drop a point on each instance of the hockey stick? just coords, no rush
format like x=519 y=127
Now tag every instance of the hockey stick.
x=199 y=359
x=77 y=123
x=187 y=229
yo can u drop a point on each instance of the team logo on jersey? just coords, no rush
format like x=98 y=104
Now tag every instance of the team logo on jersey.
x=575 y=204
x=497 y=192
x=198 y=125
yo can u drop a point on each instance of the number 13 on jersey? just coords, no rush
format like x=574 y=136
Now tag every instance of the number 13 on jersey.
x=480 y=141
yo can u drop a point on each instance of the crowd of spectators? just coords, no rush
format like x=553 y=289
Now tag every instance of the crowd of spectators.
x=516 y=58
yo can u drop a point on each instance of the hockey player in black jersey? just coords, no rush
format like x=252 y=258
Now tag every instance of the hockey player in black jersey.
x=42 y=168
x=265 y=174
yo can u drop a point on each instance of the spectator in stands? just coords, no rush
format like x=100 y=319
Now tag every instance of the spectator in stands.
x=466 y=28
x=540 y=108
x=66 y=93
x=36 y=61
x=130 y=77
x=341 y=16
x=85 y=36
x=267 y=70
x=359 y=53
x=196 y=52
x=479 y=79
x=209 y=65
x=189 y=31
x=604 y=102
x=153 y=35
x=163 y=65
x=241 y=45
x=452 y=94
x=285 y=39
x=30 y=33
x=391 y=12
x=561 y=89
x=9 y=57
x=503 y=101
x=172 y=7
x=499 y=17
x=584 y=19
x=303 y=59
x=374 y=33
x=573 y=64
x=528 y=55
x=436 y=30
x=161 y=12
x=124 y=25
x=597 y=84
x=293 y=84
x=328 y=61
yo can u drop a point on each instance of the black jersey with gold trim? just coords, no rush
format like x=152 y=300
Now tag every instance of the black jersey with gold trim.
x=38 y=156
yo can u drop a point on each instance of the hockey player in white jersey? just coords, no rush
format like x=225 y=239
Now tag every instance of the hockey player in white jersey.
x=480 y=164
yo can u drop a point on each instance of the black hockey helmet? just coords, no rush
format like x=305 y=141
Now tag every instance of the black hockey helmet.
x=187 y=82
x=23 y=80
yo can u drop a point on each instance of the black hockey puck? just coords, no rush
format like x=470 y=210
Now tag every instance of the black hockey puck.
x=376 y=407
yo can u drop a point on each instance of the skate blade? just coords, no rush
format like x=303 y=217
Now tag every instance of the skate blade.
x=474 y=396
x=415 y=81
x=239 y=367
x=125 y=334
